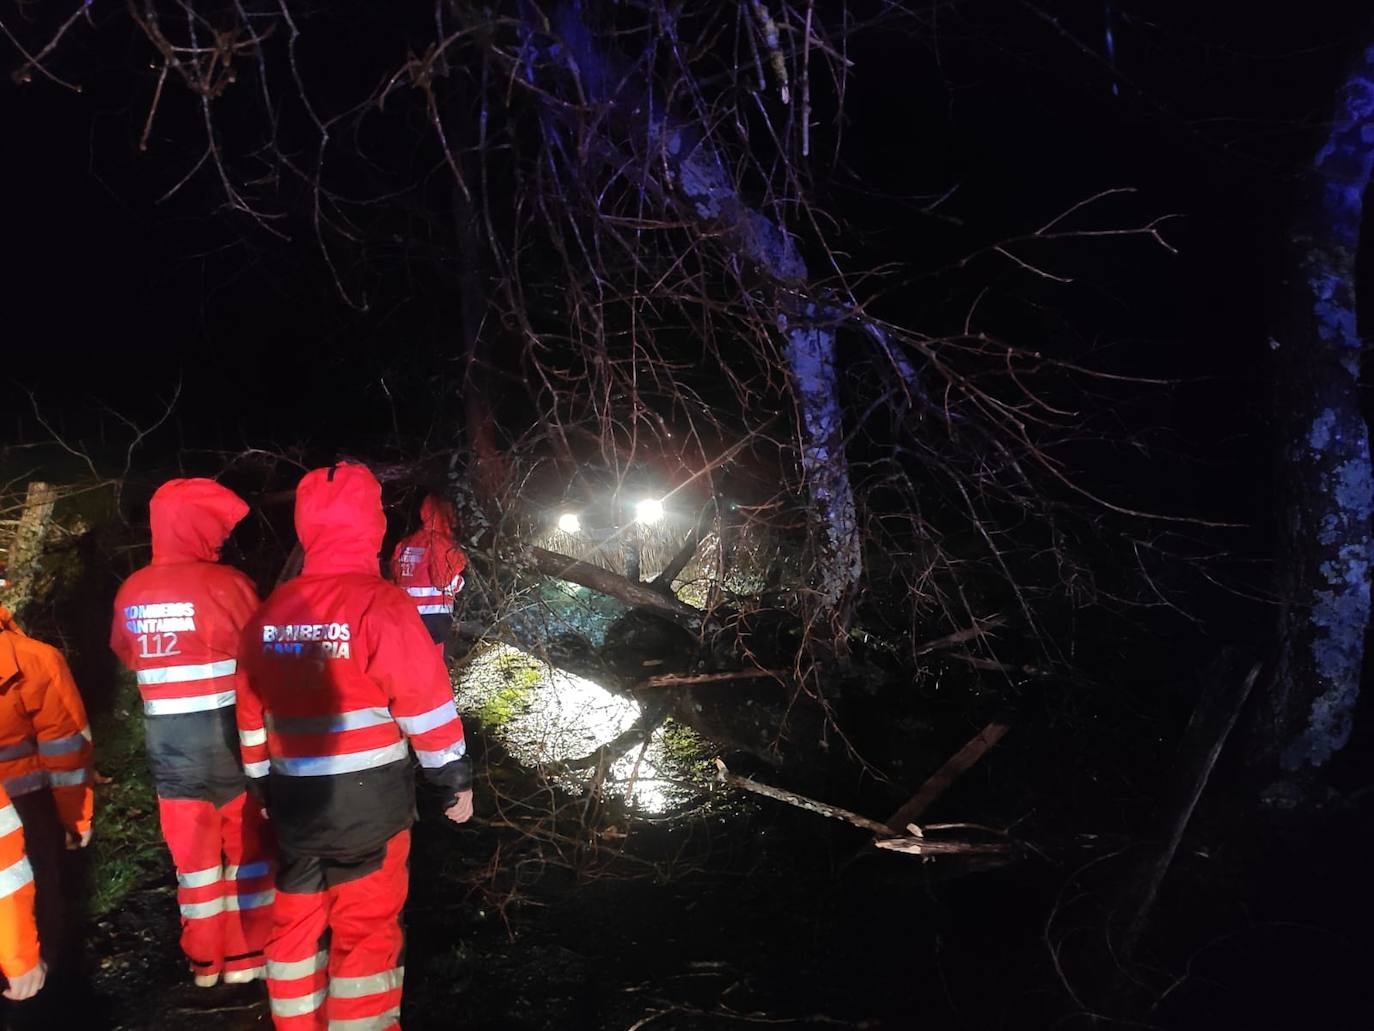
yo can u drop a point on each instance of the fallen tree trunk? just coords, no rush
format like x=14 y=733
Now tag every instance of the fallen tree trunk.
x=638 y=595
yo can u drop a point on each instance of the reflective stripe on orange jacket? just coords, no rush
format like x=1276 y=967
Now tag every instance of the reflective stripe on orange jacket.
x=45 y=740
x=18 y=932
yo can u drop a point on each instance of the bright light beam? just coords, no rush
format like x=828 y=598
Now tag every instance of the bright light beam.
x=569 y=523
x=649 y=511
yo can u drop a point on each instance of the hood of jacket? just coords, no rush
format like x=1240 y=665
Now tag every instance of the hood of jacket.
x=9 y=662
x=436 y=515
x=191 y=519
x=339 y=520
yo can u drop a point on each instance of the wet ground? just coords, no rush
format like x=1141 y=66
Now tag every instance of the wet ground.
x=763 y=918
x=640 y=896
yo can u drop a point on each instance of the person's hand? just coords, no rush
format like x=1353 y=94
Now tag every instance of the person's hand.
x=76 y=841
x=461 y=810
x=26 y=986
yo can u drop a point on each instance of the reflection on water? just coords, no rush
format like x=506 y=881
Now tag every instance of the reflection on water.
x=543 y=715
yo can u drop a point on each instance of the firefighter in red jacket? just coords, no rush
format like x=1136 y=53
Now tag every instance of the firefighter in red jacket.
x=177 y=625
x=45 y=766
x=335 y=674
x=430 y=567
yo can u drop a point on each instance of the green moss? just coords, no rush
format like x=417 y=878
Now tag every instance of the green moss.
x=683 y=745
x=517 y=675
x=126 y=849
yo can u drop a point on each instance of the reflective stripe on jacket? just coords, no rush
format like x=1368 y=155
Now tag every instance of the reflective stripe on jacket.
x=45 y=740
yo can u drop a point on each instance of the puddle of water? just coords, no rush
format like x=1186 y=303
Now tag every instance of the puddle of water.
x=543 y=715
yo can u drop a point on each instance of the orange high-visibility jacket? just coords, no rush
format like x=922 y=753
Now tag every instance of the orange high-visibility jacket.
x=18 y=932
x=45 y=740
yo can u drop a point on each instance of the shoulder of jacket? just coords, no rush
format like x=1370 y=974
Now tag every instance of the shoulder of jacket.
x=233 y=575
x=32 y=653
x=388 y=598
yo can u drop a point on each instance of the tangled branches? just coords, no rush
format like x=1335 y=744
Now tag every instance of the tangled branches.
x=651 y=290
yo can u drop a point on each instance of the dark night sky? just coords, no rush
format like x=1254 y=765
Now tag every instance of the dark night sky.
x=111 y=297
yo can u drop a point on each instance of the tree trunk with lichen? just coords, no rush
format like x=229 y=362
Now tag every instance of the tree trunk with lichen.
x=1325 y=473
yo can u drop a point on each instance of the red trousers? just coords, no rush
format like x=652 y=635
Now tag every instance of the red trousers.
x=334 y=955
x=223 y=857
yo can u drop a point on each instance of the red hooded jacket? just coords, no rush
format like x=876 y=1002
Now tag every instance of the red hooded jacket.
x=427 y=564
x=177 y=624
x=336 y=671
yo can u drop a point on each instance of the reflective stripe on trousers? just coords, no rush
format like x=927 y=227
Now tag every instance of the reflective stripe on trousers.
x=194 y=703
x=200 y=878
x=226 y=904
x=381 y=1022
x=296 y=1005
x=371 y=984
x=299 y=968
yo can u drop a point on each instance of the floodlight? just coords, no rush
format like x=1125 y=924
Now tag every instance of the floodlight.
x=649 y=511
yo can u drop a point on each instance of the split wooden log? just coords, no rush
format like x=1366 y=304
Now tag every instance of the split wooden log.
x=688 y=679
x=914 y=842
x=834 y=812
x=920 y=845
